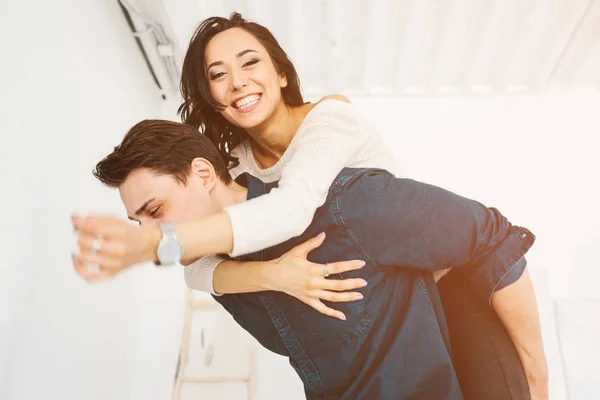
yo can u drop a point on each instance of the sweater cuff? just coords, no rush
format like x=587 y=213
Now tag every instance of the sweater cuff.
x=199 y=274
x=236 y=216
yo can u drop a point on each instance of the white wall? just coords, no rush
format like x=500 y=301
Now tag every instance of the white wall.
x=535 y=158
x=72 y=82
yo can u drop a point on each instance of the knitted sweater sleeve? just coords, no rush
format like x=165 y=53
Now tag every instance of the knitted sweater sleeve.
x=329 y=138
x=200 y=274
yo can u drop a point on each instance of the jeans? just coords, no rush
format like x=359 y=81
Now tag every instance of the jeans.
x=484 y=357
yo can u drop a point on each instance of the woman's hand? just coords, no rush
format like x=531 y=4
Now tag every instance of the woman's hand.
x=293 y=274
x=112 y=245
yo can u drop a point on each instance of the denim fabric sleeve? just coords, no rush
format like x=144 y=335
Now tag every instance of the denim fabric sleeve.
x=404 y=223
x=513 y=275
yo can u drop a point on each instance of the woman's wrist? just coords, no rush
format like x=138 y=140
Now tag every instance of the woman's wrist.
x=208 y=235
x=244 y=277
x=268 y=274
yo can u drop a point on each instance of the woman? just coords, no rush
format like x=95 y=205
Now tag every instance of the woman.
x=241 y=88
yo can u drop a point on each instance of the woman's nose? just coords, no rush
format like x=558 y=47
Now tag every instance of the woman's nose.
x=239 y=80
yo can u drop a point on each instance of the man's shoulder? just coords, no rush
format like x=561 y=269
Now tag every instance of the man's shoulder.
x=349 y=177
x=360 y=194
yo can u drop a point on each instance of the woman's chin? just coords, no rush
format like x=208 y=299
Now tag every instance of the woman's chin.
x=250 y=122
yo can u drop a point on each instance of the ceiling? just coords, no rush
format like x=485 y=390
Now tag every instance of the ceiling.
x=418 y=47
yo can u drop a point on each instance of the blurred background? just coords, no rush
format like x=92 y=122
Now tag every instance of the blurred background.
x=497 y=100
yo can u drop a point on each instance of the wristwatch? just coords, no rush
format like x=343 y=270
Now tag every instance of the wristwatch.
x=170 y=248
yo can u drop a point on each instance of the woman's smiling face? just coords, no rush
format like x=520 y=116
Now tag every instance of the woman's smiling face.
x=243 y=78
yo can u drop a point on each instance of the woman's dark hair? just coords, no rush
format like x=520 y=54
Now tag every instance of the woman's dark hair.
x=199 y=108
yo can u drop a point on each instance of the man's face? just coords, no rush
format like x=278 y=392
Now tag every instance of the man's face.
x=150 y=198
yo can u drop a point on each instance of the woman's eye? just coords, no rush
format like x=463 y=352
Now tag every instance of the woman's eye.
x=216 y=75
x=154 y=212
x=250 y=63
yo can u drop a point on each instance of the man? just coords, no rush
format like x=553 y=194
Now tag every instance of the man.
x=394 y=343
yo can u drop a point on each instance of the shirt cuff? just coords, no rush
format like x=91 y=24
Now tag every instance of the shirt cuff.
x=199 y=274
x=497 y=270
x=512 y=275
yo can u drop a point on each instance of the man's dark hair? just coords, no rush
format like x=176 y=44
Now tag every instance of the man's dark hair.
x=164 y=147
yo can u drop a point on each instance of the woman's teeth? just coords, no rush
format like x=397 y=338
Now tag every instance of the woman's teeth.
x=247 y=102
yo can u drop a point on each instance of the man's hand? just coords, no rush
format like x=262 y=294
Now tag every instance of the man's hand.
x=112 y=244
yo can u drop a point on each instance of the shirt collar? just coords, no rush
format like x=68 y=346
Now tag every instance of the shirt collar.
x=254 y=185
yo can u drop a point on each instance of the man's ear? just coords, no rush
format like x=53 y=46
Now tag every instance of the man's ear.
x=204 y=170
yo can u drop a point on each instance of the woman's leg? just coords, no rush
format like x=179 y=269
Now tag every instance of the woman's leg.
x=484 y=356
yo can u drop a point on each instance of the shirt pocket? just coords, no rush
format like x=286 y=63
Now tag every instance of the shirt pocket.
x=328 y=333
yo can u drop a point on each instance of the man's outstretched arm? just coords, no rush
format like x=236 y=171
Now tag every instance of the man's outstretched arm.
x=516 y=307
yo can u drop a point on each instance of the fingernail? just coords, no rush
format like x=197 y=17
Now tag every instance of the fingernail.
x=358 y=296
x=343 y=317
x=360 y=264
x=321 y=235
x=363 y=283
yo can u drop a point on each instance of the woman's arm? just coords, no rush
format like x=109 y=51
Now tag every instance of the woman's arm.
x=328 y=140
x=291 y=273
x=217 y=275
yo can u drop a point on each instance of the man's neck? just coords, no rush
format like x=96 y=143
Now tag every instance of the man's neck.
x=229 y=194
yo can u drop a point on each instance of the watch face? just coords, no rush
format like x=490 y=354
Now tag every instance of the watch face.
x=170 y=251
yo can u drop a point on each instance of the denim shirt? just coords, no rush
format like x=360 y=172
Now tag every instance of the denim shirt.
x=394 y=343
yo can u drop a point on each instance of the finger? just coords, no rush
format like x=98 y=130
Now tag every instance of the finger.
x=78 y=265
x=323 y=309
x=337 y=297
x=98 y=225
x=304 y=248
x=106 y=246
x=337 y=285
x=88 y=275
x=86 y=223
x=342 y=266
x=101 y=260
x=77 y=221
x=95 y=276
